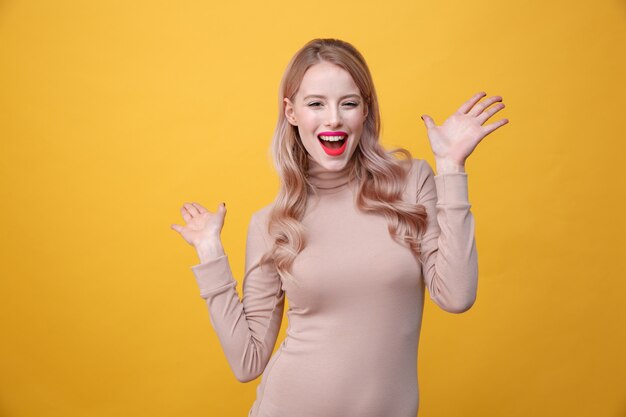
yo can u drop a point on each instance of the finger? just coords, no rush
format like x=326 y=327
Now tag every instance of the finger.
x=191 y=209
x=484 y=116
x=222 y=209
x=493 y=126
x=200 y=208
x=465 y=107
x=428 y=121
x=177 y=227
x=478 y=109
x=186 y=216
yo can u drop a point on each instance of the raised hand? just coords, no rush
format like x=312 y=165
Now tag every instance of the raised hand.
x=459 y=135
x=203 y=227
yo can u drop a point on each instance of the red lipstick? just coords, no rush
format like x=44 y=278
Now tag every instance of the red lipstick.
x=333 y=147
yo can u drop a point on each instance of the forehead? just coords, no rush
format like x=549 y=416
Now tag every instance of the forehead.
x=327 y=79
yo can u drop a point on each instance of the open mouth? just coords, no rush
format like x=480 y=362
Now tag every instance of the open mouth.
x=333 y=143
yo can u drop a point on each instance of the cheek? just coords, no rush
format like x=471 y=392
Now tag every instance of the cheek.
x=308 y=124
x=307 y=128
x=359 y=123
x=308 y=117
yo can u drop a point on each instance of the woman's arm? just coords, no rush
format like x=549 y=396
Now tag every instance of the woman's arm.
x=448 y=251
x=247 y=329
x=450 y=264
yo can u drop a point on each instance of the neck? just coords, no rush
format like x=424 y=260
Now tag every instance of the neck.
x=322 y=178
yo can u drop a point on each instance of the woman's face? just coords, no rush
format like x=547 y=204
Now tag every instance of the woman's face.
x=329 y=112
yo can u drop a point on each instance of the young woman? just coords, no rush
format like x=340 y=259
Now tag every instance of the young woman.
x=353 y=238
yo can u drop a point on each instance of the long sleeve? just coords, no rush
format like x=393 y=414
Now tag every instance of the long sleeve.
x=450 y=260
x=247 y=329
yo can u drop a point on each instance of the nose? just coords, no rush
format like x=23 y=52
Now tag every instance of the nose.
x=333 y=117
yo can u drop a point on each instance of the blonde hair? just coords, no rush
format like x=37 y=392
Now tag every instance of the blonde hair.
x=379 y=175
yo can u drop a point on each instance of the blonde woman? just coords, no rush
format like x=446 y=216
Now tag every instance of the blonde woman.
x=353 y=239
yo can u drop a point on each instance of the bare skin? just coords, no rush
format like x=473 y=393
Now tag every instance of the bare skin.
x=451 y=143
x=454 y=141
x=202 y=229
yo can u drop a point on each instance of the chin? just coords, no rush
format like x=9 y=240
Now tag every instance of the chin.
x=334 y=164
x=329 y=162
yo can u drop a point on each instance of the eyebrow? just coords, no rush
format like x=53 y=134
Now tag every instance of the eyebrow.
x=341 y=98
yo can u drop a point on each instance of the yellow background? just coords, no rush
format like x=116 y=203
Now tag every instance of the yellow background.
x=112 y=114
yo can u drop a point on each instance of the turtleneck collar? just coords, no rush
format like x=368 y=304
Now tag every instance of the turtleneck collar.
x=324 y=179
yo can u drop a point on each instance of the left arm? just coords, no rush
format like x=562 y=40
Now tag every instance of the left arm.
x=448 y=248
x=449 y=258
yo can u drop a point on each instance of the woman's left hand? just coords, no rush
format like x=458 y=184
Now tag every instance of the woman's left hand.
x=459 y=135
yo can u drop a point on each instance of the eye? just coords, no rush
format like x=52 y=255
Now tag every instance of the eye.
x=351 y=104
x=315 y=104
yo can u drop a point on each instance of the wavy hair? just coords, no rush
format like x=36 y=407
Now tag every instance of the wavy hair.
x=379 y=175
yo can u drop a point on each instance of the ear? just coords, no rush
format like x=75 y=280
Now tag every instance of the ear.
x=289 y=112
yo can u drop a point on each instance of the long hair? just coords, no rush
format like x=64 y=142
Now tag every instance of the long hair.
x=379 y=174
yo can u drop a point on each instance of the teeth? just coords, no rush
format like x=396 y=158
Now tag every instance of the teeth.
x=332 y=138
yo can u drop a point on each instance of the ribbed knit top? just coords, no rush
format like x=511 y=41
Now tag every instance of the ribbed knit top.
x=355 y=310
x=324 y=179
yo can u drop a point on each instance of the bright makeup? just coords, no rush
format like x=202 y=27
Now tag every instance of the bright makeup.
x=333 y=143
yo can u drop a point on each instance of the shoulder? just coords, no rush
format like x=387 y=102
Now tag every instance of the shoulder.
x=258 y=230
x=420 y=171
x=260 y=218
x=419 y=180
x=420 y=166
x=416 y=166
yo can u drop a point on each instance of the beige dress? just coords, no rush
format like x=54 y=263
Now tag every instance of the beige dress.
x=355 y=315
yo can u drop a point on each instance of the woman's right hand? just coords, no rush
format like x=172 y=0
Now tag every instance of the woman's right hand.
x=202 y=226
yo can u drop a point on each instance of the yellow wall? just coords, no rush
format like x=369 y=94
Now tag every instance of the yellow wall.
x=112 y=114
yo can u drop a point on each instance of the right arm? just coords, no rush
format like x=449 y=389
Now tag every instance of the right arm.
x=247 y=329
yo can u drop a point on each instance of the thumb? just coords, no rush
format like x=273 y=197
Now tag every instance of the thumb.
x=222 y=209
x=176 y=227
x=428 y=121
